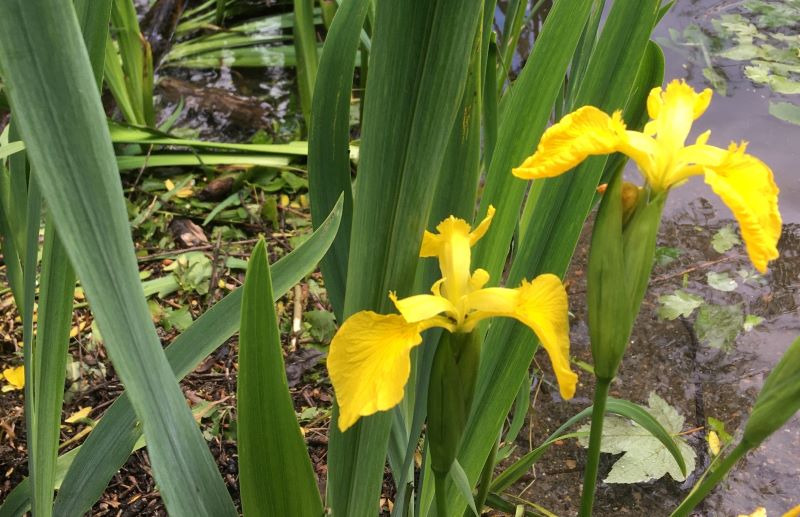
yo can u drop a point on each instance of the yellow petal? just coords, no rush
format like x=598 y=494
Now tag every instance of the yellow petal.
x=479 y=279
x=15 y=377
x=369 y=363
x=452 y=245
x=713 y=443
x=430 y=245
x=673 y=110
x=480 y=230
x=423 y=306
x=746 y=185
x=541 y=305
x=584 y=132
x=794 y=512
x=758 y=512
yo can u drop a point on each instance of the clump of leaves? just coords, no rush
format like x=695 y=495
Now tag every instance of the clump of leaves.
x=644 y=456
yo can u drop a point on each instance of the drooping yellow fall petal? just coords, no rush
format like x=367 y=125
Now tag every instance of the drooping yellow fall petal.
x=15 y=377
x=369 y=363
x=541 y=305
x=747 y=186
x=584 y=132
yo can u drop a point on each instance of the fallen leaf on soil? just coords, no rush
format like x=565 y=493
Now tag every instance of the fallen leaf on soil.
x=15 y=377
x=187 y=233
x=79 y=415
x=644 y=456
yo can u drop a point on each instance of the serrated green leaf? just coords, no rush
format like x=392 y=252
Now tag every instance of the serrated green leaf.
x=719 y=325
x=721 y=281
x=725 y=239
x=679 y=303
x=644 y=456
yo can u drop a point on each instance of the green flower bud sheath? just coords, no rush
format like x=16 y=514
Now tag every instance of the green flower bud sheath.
x=450 y=393
x=620 y=262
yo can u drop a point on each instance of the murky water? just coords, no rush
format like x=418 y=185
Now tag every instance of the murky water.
x=741 y=115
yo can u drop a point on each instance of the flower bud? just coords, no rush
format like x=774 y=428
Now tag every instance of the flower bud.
x=620 y=261
x=452 y=386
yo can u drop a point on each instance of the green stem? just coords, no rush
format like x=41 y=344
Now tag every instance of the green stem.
x=595 y=436
x=714 y=477
x=440 y=484
x=486 y=479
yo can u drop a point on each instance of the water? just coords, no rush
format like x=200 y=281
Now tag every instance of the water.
x=741 y=115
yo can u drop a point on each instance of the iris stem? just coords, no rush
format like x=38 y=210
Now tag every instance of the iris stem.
x=486 y=479
x=595 y=437
x=440 y=483
x=701 y=491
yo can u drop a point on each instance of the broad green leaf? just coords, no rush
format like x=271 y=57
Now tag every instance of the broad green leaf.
x=721 y=281
x=70 y=150
x=110 y=443
x=725 y=239
x=679 y=303
x=275 y=473
x=644 y=456
x=719 y=325
x=419 y=63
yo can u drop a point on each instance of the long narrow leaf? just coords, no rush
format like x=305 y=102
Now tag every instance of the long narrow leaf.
x=57 y=285
x=54 y=99
x=329 y=134
x=275 y=473
x=305 y=47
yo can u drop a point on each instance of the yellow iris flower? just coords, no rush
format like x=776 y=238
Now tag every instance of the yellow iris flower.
x=743 y=181
x=370 y=356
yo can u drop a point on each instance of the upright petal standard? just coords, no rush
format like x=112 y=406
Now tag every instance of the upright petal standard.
x=743 y=182
x=370 y=355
